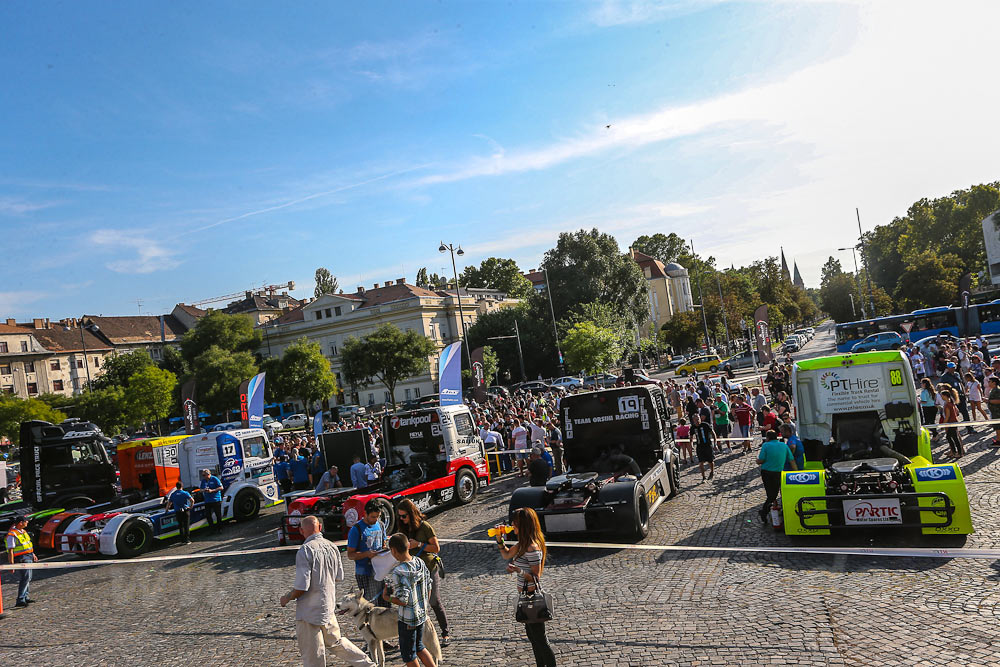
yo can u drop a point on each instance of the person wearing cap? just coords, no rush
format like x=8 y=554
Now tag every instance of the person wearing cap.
x=211 y=493
x=20 y=550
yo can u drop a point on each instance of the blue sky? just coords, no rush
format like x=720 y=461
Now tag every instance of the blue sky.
x=174 y=152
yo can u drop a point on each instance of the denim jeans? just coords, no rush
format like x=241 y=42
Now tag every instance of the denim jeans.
x=25 y=583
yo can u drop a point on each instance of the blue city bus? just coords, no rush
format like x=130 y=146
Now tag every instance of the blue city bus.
x=984 y=318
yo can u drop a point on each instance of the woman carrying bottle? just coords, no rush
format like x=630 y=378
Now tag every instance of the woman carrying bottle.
x=527 y=562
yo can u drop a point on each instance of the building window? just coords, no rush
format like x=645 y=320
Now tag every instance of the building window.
x=97 y=362
x=24 y=346
x=79 y=363
x=387 y=397
x=409 y=394
x=333 y=349
x=155 y=353
x=5 y=369
x=319 y=314
x=32 y=388
x=29 y=367
x=336 y=311
x=54 y=365
x=328 y=313
x=3 y=347
x=8 y=389
x=57 y=385
x=416 y=392
x=371 y=398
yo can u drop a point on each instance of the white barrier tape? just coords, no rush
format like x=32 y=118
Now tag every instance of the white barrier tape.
x=990 y=422
x=894 y=552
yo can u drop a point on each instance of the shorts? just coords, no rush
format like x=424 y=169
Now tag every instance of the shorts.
x=722 y=430
x=745 y=430
x=411 y=641
x=705 y=453
x=522 y=454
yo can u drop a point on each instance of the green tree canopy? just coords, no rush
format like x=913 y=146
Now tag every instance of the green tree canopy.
x=149 y=395
x=664 y=247
x=500 y=274
x=303 y=373
x=14 y=410
x=326 y=282
x=119 y=367
x=105 y=407
x=386 y=355
x=682 y=331
x=231 y=333
x=590 y=348
x=219 y=374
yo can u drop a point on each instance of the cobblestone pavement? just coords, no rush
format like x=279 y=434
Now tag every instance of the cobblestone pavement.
x=612 y=607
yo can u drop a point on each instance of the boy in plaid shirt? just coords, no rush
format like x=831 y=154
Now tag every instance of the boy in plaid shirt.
x=410 y=583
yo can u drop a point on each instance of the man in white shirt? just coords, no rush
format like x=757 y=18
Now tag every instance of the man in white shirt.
x=520 y=437
x=317 y=569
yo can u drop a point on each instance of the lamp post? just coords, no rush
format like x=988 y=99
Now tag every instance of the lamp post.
x=458 y=292
x=520 y=355
x=722 y=306
x=552 y=310
x=83 y=344
x=704 y=318
x=868 y=269
x=856 y=285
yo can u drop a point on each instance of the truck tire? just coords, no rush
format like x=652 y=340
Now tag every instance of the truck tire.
x=640 y=515
x=388 y=517
x=529 y=496
x=466 y=486
x=674 y=477
x=134 y=539
x=246 y=505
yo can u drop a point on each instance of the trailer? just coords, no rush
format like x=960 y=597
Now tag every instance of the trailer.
x=868 y=460
x=622 y=465
x=433 y=456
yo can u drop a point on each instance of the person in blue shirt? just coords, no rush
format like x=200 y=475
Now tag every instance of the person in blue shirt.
x=364 y=541
x=359 y=479
x=211 y=493
x=795 y=445
x=180 y=501
x=281 y=474
x=300 y=470
x=773 y=457
x=317 y=465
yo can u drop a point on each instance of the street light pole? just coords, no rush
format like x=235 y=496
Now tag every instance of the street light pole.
x=520 y=356
x=868 y=271
x=722 y=305
x=83 y=344
x=458 y=292
x=555 y=332
x=704 y=318
x=857 y=285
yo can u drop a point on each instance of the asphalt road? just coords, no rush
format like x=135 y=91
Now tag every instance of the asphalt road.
x=613 y=607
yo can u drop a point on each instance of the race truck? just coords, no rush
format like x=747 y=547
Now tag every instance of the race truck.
x=241 y=459
x=622 y=465
x=867 y=458
x=434 y=456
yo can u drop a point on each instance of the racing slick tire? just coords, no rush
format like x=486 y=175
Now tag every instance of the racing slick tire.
x=134 y=539
x=640 y=515
x=388 y=514
x=466 y=486
x=246 y=505
x=674 y=478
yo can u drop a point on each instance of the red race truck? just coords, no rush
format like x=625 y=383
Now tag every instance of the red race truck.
x=433 y=456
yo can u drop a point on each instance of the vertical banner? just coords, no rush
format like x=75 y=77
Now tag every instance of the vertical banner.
x=964 y=292
x=252 y=402
x=318 y=423
x=762 y=333
x=478 y=375
x=450 y=374
x=190 y=408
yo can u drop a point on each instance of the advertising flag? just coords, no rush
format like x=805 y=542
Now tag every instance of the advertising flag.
x=190 y=408
x=252 y=402
x=478 y=375
x=450 y=374
x=318 y=423
x=762 y=334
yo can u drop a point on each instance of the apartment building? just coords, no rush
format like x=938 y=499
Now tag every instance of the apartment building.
x=49 y=357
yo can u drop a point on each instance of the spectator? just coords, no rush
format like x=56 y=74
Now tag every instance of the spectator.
x=424 y=545
x=949 y=415
x=683 y=439
x=993 y=400
x=281 y=473
x=538 y=469
x=928 y=405
x=520 y=438
x=317 y=570
x=722 y=421
x=555 y=442
x=211 y=494
x=974 y=391
x=704 y=440
x=795 y=445
x=358 y=478
x=364 y=541
x=774 y=456
x=299 y=468
x=528 y=562
x=181 y=501
x=317 y=467
x=950 y=377
x=410 y=582
x=744 y=415
x=329 y=480
x=769 y=420
x=373 y=471
x=20 y=550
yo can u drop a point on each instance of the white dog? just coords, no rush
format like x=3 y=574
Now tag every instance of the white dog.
x=378 y=624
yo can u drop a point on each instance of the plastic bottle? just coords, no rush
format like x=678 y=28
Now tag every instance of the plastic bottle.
x=492 y=532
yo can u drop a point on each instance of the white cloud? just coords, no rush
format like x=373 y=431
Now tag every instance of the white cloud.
x=144 y=254
x=608 y=13
x=13 y=303
x=16 y=206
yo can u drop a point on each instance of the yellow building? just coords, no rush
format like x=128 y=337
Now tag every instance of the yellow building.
x=668 y=289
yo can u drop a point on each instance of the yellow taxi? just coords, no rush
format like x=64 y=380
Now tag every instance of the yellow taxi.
x=704 y=362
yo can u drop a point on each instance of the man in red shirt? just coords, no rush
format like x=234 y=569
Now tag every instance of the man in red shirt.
x=768 y=420
x=743 y=413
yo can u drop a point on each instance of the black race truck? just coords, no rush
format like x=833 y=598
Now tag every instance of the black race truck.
x=621 y=461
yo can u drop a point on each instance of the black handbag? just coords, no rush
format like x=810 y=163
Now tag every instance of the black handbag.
x=534 y=607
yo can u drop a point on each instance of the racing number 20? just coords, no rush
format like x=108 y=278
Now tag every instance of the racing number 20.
x=896 y=378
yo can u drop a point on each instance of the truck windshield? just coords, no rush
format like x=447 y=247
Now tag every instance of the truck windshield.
x=72 y=454
x=256 y=448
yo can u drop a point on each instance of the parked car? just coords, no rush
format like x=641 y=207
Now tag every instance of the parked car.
x=497 y=390
x=676 y=361
x=884 y=340
x=742 y=360
x=567 y=381
x=535 y=386
x=705 y=362
x=791 y=344
x=641 y=377
x=297 y=420
x=180 y=431
x=428 y=401
x=807 y=333
x=269 y=421
x=600 y=381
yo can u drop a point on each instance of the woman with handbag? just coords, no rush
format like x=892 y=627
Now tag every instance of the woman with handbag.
x=424 y=545
x=527 y=562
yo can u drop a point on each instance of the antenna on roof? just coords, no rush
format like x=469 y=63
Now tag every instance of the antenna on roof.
x=138 y=303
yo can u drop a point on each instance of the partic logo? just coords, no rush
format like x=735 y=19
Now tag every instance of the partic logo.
x=872 y=512
x=802 y=478
x=826 y=378
x=935 y=474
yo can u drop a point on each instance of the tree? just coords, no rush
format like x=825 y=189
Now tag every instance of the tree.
x=830 y=269
x=104 y=407
x=231 y=333
x=326 y=282
x=387 y=355
x=590 y=348
x=491 y=363
x=664 y=247
x=681 y=331
x=587 y=266
x=928 y=279
x=303 y=373
x=836 y=294
x=149 y=395
x=499 y=274
x=14 y=410
x=421 y=279
x=219 y=373
x=118 y=368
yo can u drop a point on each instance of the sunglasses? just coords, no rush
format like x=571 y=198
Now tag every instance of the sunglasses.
x=404 y=516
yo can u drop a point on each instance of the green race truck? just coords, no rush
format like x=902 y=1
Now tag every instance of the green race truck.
x=868 y=460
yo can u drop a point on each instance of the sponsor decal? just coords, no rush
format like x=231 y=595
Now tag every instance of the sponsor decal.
x=872 y=511
x=415 y=420
x=802 y=478
x=852 y=389
x=935 y=474
x=450 y=374
x=826 y=378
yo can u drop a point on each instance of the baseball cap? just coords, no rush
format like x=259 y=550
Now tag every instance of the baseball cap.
x=950 y=364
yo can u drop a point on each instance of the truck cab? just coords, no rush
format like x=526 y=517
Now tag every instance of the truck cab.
x=65 y=465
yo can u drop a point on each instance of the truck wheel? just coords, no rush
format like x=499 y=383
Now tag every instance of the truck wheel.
x=388 y=517
x=76 y=503
x=640 y=518
x=134 y=538
x=246 y=505
x=465 y=486
x=674 y=475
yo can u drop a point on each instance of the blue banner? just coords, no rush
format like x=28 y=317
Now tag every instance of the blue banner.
x=318 y=423
x=450 y=374
x=252 y=402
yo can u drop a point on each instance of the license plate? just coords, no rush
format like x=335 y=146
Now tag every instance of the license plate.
x=565 y=523
x=872 y=512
